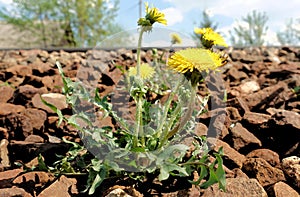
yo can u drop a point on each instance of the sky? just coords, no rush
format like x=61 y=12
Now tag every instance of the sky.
x=184 y=15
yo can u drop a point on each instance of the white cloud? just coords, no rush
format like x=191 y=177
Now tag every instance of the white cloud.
x=173 y=15
x=187 y=5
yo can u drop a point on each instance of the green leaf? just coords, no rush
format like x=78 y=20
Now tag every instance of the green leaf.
x=220 y=172
x=97 y=181
x=164 y=173
x=55 y=109
x=212 y=179
x=41 y=164
x=203 y=174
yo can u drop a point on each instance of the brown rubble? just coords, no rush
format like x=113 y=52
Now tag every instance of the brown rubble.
x=257 y=125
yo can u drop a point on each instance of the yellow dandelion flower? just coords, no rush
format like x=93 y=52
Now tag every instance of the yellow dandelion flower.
x=146 y=71
x=175 y=39
x=191 y=59
x=152 y=15
x=208 y=34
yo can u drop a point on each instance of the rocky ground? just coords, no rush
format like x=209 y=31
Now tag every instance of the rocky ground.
x=260 y=134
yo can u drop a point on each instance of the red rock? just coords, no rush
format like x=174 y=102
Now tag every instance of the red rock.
x=282 y=189
x=4 y=153
x=285 y=117
x=261 y=170
x=42 y=68
x=20 y=70
x=242 y=138
x=235 y=74
x=231 y=156
x=6 y=177
x=237 y=187
x=256 y=118
x=61 y=187
x=4 y=133
x=270 y=156
x=34 y=139
x=260 y=99
x=13 y=192
x=240 y=104
x=291 y=167
x=6 y=93
x=37 y=117
x=7 y=108
x=56 y=99
x=47 y=82
x=39 y=178
x=28 y=91
x=249 y=87
x=201 y=129
x=233 y=114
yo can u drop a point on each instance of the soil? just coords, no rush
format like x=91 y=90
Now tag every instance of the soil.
x=259 y=127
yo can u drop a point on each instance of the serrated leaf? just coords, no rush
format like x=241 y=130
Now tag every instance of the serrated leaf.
x=220 y=172
x=203 y=174
x=164 y=173
x=212 y=179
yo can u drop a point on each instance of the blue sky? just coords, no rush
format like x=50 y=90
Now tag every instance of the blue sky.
x=184 y=15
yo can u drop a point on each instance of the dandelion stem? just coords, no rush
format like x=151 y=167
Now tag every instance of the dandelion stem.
x=187 y=115
x=138 y=72
x=165 y=114
x=139 y=101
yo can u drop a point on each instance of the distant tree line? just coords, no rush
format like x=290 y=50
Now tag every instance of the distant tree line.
x=84 y=23
x=252 y=29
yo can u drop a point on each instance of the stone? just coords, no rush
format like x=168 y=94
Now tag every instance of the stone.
x=4 y=153
x=20 y=70
x=63 y=186
x=35 y=178
x=240 y=104
x=6 y=93
x=201 y=129
x=34 y=139
x=241 y=138
x=8 y=108
x=235 y=74
x=4 y=133
x=56 y=99
x=282 y=189
x=237 y=187
x=261 y=170
x=262 y=98
x=41 y=69
x=37 y=117
x=291 y=167
x=233 y=114
x=254 y=118
x=249 y=87
x=47 y=82
x=232 y=158
x=270 y=156
x=117 y=192
x=14 y=192
x=7 y=177
x=28 y=91
x=285 y=117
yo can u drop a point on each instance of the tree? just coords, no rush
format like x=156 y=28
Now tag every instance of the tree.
x=291 y=34
x=84 y=23
x=206 y=22
x=250 y=34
